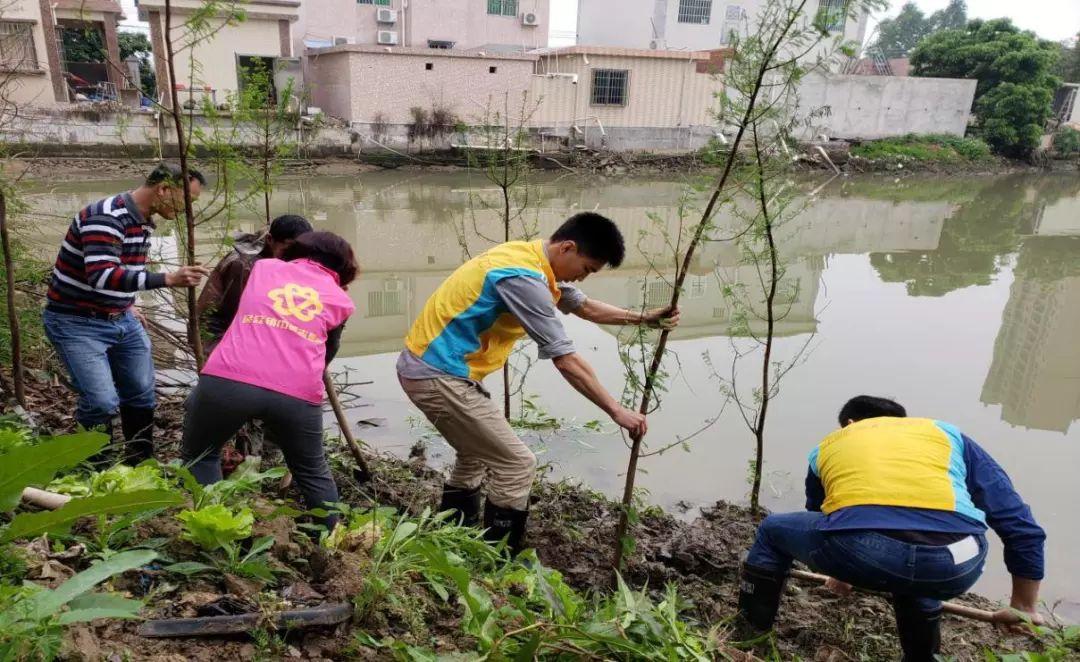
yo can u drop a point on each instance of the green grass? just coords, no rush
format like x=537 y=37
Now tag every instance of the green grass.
x=925 y=148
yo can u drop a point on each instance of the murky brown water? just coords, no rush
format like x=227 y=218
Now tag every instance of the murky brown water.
x=961 y=298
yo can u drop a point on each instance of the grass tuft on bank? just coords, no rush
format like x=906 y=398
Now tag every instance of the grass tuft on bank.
x=931 y=148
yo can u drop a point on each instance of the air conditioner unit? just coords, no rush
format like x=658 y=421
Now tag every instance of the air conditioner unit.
x=530 y=19
x=342 y=41
x=386 y=16
x=387 y=38
x=654 y=44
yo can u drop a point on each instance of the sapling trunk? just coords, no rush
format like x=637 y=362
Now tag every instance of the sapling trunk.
x=13 y=315
x=770 y=321
x=194 y=335
x=764 y=67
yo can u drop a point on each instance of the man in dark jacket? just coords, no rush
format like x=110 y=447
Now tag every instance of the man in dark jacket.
x=899 y=505
x=219 y=299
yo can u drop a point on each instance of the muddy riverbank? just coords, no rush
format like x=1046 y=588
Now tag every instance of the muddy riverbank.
x=572 y=529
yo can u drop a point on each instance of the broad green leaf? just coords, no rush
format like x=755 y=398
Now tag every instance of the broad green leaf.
x=36 y=465
x=216 y=526
x=32 y=525
x=188 y=568
x=48 y=603
x=100 y=605
x=401 y=532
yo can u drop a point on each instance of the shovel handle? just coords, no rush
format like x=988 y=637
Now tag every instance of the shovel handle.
x=953 y=608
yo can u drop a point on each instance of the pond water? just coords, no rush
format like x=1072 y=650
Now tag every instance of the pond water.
x=958 y=297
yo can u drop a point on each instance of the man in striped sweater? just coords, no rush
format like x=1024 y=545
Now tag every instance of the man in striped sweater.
x=89 y=317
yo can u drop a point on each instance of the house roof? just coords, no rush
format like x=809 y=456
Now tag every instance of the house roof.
x=107 y=6
x=623 y=52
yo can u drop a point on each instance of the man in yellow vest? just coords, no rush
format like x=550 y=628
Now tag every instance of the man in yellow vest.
x=467 y=330
x=899 y=505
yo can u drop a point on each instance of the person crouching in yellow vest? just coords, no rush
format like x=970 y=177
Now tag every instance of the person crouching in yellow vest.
x=899 y=505
x=467 y=330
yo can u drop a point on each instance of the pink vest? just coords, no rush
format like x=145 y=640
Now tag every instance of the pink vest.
x=277 y=340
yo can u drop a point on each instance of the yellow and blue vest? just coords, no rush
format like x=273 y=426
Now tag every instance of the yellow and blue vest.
x=464 y=328
x=902 y=462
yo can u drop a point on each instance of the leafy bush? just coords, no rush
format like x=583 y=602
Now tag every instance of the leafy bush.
x=1014 y=70
x=1067 y=141
x=118 y=479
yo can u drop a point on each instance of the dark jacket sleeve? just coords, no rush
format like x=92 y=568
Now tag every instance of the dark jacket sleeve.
x=220 y=299
x=993 y=493
x=333 y=342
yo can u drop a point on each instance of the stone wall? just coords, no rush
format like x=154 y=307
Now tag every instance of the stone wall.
x=107 y=133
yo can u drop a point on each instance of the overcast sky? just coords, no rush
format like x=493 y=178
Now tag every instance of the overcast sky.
x=1050 y=19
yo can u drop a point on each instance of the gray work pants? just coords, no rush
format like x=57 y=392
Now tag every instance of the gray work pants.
x=217 y=408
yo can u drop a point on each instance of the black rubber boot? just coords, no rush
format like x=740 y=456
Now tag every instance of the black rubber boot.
x=138 y=426
x=506 y=523
x=106 y=457
x=465 y=502
x=759 y=596
x=920 y=631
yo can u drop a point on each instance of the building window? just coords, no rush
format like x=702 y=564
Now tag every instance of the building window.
x=695 y=11
x=429 y=65
x=439 y=43
x=385 y=304
x=492 y=70
x=503 y=7
x=609 y=87
x=831 y=15
x=17 y=45
x=381 y=3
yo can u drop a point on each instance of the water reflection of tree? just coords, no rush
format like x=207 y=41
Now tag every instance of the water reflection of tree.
x=973 y=242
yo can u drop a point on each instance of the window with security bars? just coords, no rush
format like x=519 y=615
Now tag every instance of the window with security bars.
x=831 y=15
x=17 y=45
x=381 y=3
x=695 y=11
x=610 y=87
x=385 y=304
x=503 y=7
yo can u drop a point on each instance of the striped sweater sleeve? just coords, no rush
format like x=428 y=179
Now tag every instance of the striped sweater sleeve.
x=103 y=246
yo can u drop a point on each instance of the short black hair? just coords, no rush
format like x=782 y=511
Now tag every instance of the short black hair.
x=868 y=406
x=596 y=236
x=289 y=226
x=169 y=173
x=329 y=250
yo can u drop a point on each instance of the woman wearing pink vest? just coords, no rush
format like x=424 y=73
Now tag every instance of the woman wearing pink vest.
x=269 y=364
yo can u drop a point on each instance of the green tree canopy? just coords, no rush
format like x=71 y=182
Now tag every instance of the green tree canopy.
x=898 y=36
x=137 y=44
x=997 y=54
x=1068 y=68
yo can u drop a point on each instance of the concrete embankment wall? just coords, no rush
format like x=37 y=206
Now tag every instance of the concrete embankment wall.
x=874 y=107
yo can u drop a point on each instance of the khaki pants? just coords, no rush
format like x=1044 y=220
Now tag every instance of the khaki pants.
x=475 y=427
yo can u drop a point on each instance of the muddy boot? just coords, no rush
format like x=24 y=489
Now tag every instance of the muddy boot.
x=506 y=523
x=138 y=426
x=920 y=631
x=759 y=596
x=465 y=502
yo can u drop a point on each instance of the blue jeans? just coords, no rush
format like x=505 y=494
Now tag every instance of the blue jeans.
x=921 y=575
x=109 y=362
